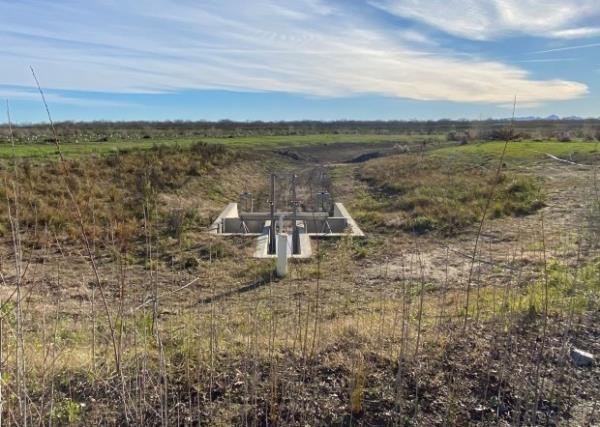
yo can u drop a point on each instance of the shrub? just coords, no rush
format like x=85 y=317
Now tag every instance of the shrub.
x=421 y=224
x=66 y=412
x=452 y=137
x=564 y=137
x=427 y=194
x=179 y=220
x=501 y=134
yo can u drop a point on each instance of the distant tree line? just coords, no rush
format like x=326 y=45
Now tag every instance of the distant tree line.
x=459 y=130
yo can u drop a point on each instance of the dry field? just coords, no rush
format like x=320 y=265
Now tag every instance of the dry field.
x=479 y=273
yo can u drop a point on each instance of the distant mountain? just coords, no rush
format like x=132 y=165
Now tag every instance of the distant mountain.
x=527 y=118
x=549 y=118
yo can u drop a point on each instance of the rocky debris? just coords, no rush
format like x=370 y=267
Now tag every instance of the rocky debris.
x=581 y=358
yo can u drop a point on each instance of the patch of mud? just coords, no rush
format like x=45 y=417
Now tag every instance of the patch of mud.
x=347 y=152
x=365 y=157
x=295 y=155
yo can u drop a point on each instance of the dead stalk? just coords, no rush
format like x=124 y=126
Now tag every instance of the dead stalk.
x=539 y=382
x=17 y=252
x=86 y=244
x=485 y=212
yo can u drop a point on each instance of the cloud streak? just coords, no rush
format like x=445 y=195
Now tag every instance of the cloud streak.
x=564 y=48
x=490 y=19
x=310 y=47
x=30 y=94
x=576 y=33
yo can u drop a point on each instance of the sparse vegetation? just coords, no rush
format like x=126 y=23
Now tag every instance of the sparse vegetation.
x=165 y=325
x=425 y=194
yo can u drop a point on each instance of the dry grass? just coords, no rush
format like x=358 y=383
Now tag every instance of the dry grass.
x=347 y=339
x=422 y=194
x=111 y=192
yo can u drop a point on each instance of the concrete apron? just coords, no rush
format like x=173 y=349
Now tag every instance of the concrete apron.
x=262 y=246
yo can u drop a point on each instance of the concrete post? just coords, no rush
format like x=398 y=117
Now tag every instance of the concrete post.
x=282 y=255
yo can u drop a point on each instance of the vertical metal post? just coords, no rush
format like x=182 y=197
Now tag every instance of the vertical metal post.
x=295 y=231
x=246 y=202
x=272 y=235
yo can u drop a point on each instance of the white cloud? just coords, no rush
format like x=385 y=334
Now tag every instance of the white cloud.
x=412 y=36
x=577 y=33
x=20 y=94
x=564 y=48
x=489 y=19
x=306 y=47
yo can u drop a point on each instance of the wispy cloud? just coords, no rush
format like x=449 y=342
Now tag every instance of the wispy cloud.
x=311 y=47
x=488 y=19
x=576 y=47
x=27 y=94
x=577 y=33
x=546 y=60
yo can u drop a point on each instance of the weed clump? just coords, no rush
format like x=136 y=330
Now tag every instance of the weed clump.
x=115 y=192
x=422 y=195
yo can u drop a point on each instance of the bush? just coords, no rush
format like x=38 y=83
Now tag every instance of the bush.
x=179 y=220
x=452 y=137
x=422 y=195
x=66 y=412
x=564 y=137
x=421 y=225
x=503 y=134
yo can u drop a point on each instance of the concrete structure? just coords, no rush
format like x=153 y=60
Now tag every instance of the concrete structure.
x=282 y=255
x=232 y=222
x=294 y=227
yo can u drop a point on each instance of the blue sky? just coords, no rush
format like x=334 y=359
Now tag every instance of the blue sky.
x=301 y=59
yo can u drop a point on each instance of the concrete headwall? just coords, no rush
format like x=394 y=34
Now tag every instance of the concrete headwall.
x=317 y=223
x=234 y=226
x=332 y=225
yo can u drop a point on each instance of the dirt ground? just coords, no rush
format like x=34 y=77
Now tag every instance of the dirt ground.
x=504 y=242
x=341 y=311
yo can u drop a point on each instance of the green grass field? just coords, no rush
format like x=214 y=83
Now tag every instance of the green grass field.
x=255 y=142
x=525 y=150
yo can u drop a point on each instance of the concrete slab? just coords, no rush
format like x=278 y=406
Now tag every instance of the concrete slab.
x=310 y=224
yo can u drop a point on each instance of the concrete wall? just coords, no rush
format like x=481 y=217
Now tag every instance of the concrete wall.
x=230 y=211
x=336 y=226
x=234 y=226
x=340 y=224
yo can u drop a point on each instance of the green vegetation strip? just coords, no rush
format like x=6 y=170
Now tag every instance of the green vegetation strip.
x=256 y=142
x=526 y=150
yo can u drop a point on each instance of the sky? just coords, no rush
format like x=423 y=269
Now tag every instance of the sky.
x=301 y=59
